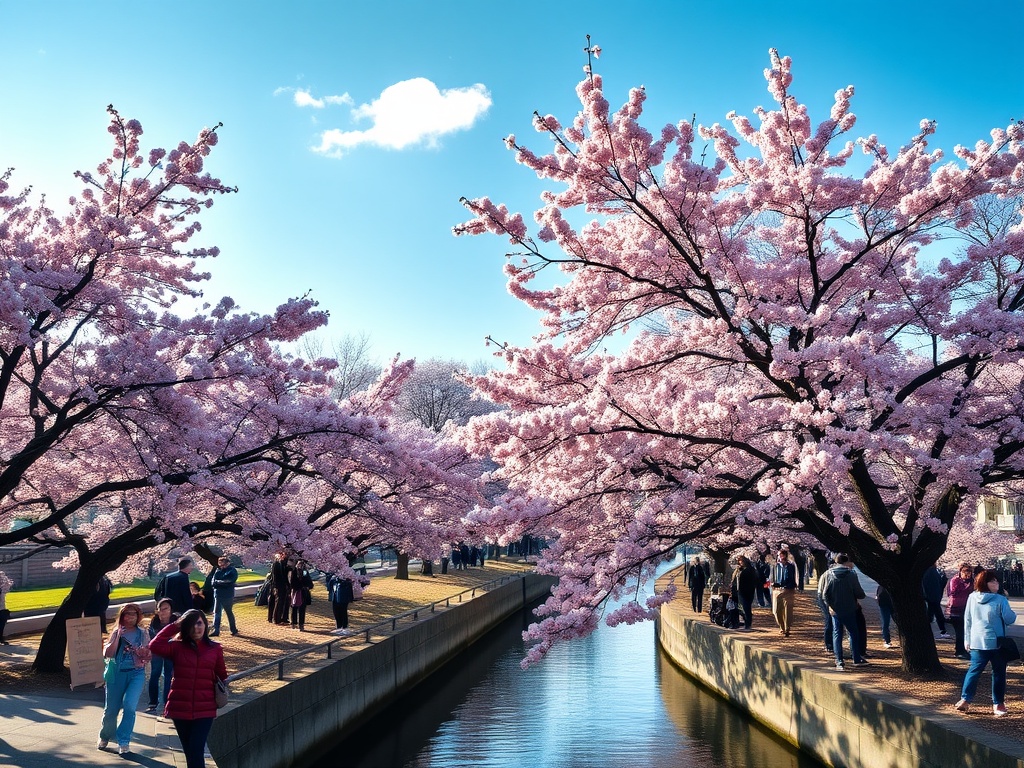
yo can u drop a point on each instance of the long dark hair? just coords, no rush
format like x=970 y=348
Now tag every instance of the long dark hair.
x=188 y=620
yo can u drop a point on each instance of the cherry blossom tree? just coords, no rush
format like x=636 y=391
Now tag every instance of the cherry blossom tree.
x=809 y=340
x=128 y=426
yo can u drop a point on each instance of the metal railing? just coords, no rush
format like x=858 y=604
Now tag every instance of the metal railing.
x=367 y=632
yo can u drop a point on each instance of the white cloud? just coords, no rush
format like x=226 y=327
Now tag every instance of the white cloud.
x=305 y=99
x=409 y=113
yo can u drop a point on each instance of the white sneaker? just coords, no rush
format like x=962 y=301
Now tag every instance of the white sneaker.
x=124 y=749
x=887 y=645
x=944 y=635
x=340 y=631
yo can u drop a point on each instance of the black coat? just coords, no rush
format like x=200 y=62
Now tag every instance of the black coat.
x=745 y=581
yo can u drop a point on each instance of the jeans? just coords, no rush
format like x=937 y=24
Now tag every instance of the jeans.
x=122 y=695
x=885 y=611
x=222 y=602
x=849 y=621
x=193 y=735
x=159 y=666
x=828 y=623
x=979 y=659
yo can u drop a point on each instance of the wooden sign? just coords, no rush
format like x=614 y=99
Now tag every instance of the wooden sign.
x=85 y=651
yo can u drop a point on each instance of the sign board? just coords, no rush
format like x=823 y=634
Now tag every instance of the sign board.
x=85 y=651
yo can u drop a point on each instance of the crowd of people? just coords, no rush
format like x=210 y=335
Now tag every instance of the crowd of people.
x=972 y=603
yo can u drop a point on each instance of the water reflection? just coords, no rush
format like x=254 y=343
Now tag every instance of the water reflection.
x=610 y=701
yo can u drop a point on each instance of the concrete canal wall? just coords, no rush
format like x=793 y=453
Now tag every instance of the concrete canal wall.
x=278 y=727
x=823 y=714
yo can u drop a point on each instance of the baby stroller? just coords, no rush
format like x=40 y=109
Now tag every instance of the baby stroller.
x=724 y=611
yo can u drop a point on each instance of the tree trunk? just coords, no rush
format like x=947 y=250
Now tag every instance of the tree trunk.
x=53 y=645
x=402 y=571
x=917 y=643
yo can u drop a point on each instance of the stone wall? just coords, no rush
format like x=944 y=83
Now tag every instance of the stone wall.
x=278 y=727
x=828 y=717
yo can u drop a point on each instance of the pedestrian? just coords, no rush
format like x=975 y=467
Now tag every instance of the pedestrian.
x=160 y=667
x=177 y=587
x=985 y=618
x=6 y=585
x=198 y=598
x=126 y=652
x=764 y=573
x=696 y=580
x=223 y=582
x=783 y=592
x=819 y=599
x=456 y=558
x=958 y=590
x=198 y=664
x=931 y=585
x=885 y=612
x=464 y=551
x=99 y=602
x=301 y=585
x=841 y=593
x=280 y=596
x=341 y=594
x=744 y=585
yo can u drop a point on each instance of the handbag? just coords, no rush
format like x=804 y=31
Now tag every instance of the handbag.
x=1008 y=647
x=220 y=692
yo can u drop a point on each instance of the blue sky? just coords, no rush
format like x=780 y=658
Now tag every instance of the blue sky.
x=352 y=128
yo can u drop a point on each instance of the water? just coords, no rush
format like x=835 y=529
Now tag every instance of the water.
x=613 y=700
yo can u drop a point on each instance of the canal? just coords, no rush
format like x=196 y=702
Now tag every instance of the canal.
x=612 y=700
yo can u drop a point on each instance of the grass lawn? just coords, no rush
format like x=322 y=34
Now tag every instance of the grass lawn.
x=50 y=597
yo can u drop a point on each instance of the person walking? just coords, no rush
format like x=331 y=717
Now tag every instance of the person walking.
x=198 y=664
x=341 y=594
x=301 y=585
x=223 y=582
x=280 y=595
x=842 y=591
x=819 y=599
x=160 y=667
x=985 y=618
x=783 y=592
x=177 y=587
x=958 y=590
x=744 y=585
x=99 y=602
x=696 y=580
x=127 y=652
x=764 y=572
x=931 y=585
x=6 y=585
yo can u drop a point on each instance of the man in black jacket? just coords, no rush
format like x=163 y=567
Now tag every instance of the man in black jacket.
x=223 y=583
x=176 y=587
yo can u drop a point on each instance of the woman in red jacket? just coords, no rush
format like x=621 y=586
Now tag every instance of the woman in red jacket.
x=198 y=662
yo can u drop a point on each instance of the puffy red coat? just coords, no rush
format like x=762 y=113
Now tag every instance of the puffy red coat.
x=191 y=695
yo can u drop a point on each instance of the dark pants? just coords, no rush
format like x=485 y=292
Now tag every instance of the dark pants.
x=747 y=601
x=193 y=735
x=277 y=607
x=958 y=632
x=862 y=629
x=159 y=666
x=764 y=596
x=935 y=612
x=223 y=600
x=886 y=613
x=4 y=616
x=299 y=616
x=697 y=598
x=340 y=614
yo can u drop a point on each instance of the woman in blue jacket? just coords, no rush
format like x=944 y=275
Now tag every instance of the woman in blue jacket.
x=985 y=619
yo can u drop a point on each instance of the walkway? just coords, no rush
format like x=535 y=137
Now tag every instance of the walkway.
x=45 y=725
